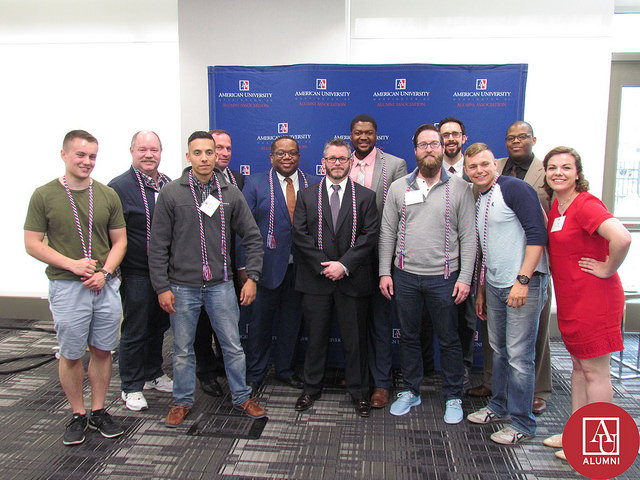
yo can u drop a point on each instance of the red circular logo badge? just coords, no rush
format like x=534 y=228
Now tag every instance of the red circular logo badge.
x=600 y=440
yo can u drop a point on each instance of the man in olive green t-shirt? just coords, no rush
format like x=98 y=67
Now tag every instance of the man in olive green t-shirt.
x=85 y=242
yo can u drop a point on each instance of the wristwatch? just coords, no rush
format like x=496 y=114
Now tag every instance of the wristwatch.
x=254 y=277
x=107 y=276
x=523 y=279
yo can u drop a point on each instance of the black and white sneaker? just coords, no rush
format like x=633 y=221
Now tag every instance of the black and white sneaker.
x=100 y=420
x=74 y=433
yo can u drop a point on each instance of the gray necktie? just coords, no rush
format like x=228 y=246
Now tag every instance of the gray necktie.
x=334 y=202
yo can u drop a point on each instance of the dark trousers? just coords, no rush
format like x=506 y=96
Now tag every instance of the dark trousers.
x=413 y=293
x=351 y=315
x=379 y=340
x=141 y=333
x=281 y=305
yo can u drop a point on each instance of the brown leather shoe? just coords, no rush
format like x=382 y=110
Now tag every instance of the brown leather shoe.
x=539 y=405
x=252 y=409
x=479 y=391
x=380 y=398
x=305 y=402
x=176 y=415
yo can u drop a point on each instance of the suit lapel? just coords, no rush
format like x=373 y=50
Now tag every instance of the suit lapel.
x=501 y=163
x=326 y=208
x=279 y=197
x=345 y=207
x=377 y=171
x=536 y=170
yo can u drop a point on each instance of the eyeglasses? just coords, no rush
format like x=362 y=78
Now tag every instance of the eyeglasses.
x=424 y=145
x=281 y=154
x=522 y=137
x=449 y=135
x=334 y=160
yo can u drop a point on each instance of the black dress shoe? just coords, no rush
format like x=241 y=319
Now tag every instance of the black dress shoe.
x=305 y=401
x=293 y=381
x=363 y=407
x=211 y=387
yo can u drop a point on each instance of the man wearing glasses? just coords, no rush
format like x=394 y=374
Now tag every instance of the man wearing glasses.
x=376 y=170
x=522 y=163
x=271 y=197
x=335 y=229
x=453 y=135
x=428 y=225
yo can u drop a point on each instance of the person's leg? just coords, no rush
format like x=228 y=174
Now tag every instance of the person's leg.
x=543 y=387
x=188 y=304
x=593 y=381
x=157 y=326
x=71 y=373
x=203 y=349
x=317 y=311
x=522 y=329
x=134 y=332
x=350 y=313
x=259 y=338
x=99 y=373
x=221 y=304
x=497 y=335
x=409 y=304
x=426 y=341
x=289 y=325
x=445 y=315
x=379 y=340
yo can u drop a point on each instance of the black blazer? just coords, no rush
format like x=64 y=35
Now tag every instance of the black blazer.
x=358 y=259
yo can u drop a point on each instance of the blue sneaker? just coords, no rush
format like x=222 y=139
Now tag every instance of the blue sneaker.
x=403 y=404
x=453 y=413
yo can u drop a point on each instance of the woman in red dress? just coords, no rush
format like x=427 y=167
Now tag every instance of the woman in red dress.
x=586 y=246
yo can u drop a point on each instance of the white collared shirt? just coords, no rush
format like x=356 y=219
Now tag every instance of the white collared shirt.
x=283 y=183
x=458 y=167
x=343 y=185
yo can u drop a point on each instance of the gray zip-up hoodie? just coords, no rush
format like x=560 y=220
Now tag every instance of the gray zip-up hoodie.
x=174 y=248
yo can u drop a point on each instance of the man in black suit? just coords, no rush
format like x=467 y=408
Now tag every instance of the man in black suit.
x=209 y=363
x=335 y=227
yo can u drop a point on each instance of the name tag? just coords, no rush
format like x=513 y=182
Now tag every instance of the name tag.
x=414 y=196
x=557 y=224
x=210 y=205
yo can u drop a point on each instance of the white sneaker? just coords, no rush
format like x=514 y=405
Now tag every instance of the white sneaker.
x=134 y=401
x=484 y=415
x=162 y=384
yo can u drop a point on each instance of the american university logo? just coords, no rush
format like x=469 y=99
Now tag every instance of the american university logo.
x=320 y=171
x=481 y=83
x=401 y=83
x=244 y=85
x=321 y=83
x=283 y=128
x=245 y=169
x=600 y=436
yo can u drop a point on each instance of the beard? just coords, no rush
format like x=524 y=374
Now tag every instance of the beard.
x=429 y=167
x=338 y=175
x=455 y=154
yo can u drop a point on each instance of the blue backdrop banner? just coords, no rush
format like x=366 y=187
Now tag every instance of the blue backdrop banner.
x=314 y=103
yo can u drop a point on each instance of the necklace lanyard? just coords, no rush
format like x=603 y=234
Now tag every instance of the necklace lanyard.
x=483 y=240
x=86 y=248
x=147 y=213
x=447 y=229
x=271 y=239
x=206 y=269
x=354 y=212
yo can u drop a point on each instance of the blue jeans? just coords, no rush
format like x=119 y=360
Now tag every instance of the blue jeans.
x=141 y=333
x=433 y=292
x=221 y=305
x=512 y=336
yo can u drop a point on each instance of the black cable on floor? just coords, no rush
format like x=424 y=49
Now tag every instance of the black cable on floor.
x=48 y=357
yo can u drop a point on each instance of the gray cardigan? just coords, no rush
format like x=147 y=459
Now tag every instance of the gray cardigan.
x=174 y=247
x=424 y=252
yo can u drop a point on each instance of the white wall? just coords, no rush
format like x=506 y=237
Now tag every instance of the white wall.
x=109 y=67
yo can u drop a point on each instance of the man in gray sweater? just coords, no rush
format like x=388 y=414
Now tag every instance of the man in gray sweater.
x=190 y=267
x=428 y=224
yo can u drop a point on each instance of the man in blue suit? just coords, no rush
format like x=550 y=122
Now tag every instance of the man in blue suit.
x=272 y=198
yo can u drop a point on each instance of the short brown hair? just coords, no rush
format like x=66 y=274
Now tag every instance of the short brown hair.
x=582 y=185
x=475 y=148
x=73 y=134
